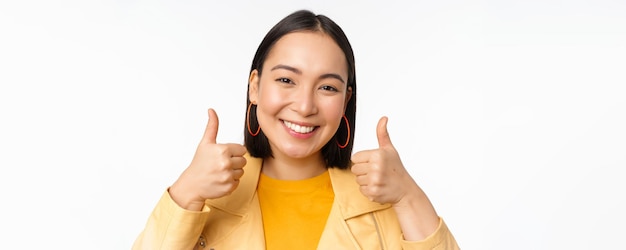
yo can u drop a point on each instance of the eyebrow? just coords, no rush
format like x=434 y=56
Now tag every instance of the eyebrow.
x=297 y=71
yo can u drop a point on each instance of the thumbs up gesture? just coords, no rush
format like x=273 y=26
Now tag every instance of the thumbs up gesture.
x=380 y=172
x=214 y=171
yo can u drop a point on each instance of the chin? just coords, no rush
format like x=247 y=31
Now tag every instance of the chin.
x=297 y=152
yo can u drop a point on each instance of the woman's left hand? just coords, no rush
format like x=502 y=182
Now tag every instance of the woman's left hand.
x=380 y=172
x=384 y=179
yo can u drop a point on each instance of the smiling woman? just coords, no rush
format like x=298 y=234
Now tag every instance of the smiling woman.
x=302 y=187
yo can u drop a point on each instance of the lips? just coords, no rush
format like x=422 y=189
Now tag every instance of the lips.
x=299 y=128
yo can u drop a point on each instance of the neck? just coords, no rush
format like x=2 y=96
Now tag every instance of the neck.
x=285 y=168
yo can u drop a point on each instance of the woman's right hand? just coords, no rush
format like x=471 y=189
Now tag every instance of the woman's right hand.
x=214 y=171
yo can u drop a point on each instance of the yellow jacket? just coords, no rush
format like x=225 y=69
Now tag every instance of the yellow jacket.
x=234 y=221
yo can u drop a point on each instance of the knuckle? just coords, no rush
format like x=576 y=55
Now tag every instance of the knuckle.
x=374 y=190
x=225 y=178
x=223 y=163
x=377 y=156
x=222 y=149
x=376 y=179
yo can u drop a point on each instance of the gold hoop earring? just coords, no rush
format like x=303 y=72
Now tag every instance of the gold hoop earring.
x=348 y=138
x=248 y=122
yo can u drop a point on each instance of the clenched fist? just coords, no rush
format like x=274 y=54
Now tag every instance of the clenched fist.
x=214 y=171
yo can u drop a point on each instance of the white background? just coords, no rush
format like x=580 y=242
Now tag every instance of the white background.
x=510 y=114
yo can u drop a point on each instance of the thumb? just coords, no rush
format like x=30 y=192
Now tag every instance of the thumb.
x=210 y=133
x=382 y=133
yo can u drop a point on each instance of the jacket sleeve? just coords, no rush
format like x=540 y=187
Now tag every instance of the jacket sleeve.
x=171 y=227
x=441 y=239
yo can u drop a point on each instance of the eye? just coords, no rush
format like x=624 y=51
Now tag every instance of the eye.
x=329 y=88
x=284 y=80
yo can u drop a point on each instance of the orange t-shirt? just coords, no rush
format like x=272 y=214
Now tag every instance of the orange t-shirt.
x=294 y=212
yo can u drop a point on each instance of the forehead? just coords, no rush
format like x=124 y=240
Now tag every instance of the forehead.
x=308 y=51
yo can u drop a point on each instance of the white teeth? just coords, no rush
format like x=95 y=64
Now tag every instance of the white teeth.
x=298 y=128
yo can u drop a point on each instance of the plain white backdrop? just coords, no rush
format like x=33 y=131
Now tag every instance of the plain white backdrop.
x=509 y=114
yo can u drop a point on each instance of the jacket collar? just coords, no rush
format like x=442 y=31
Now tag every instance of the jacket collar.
x=348 y=197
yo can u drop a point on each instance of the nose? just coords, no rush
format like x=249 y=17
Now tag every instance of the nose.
x=304 y=102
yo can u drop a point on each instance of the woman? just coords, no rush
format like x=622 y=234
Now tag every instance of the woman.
x=302 y=187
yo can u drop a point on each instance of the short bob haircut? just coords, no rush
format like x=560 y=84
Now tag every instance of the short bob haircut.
x=304 y=20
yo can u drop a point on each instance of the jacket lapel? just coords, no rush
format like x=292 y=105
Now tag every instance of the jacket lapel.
x=349 y=203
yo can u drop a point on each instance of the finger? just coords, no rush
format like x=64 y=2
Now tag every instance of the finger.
x=362 y=180
x=237 y=173
x=366 y=192
x=359 y=169
x=236 y=149
x=382 y=133
x=210 y=133
x=362 y=156
x=238 y=162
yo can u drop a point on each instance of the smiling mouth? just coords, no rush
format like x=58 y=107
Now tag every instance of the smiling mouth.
x=298 y=128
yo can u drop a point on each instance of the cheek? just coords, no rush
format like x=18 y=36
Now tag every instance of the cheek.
x=334 y=111
x=270 y=100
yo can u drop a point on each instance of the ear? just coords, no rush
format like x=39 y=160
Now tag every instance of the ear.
x=253 y=86
x=348 y=96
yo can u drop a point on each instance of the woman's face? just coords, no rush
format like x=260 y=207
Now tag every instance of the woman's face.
x=301 y=94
